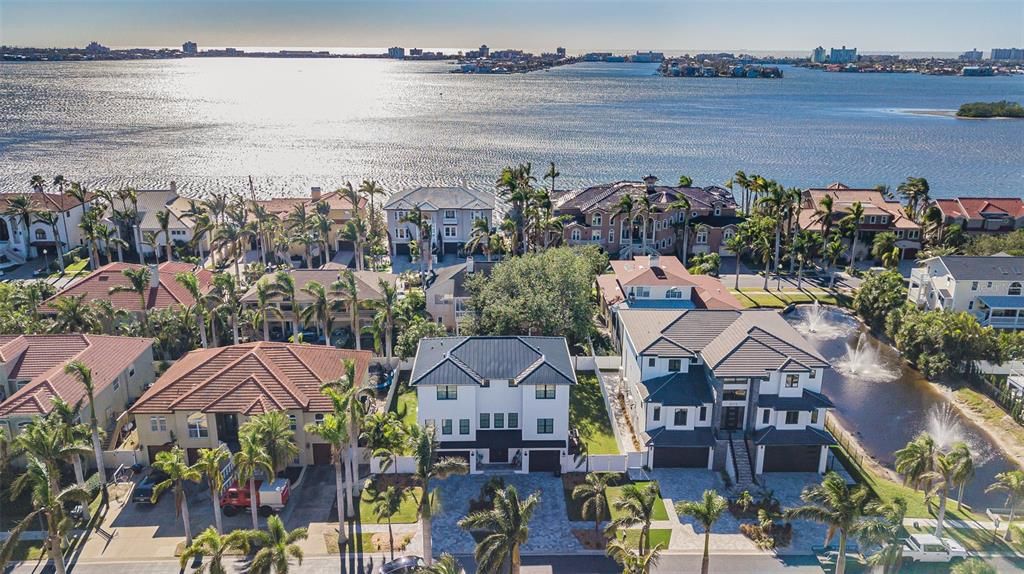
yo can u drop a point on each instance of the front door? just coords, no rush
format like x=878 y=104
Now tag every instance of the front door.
x=227 y=427
x=732 y=418
x=499 y=455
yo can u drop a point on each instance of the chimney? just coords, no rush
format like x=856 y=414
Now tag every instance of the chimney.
x=314 y=193
x=469 y=264
x=174 y=187
x=154 y=276
x=655 y=261
x=650 y=180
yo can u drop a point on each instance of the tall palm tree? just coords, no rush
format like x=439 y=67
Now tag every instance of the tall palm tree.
x=48 y=502
x=265 y=306
x=507 y=525
x=385 y=307
x=706 y=511
x=319 y=310
x=421 y=222
x=214 y=546
x=551 y=174
x=1012 y=483
x=210 y=464
x=515 y=185
x=228 y=239
x=138 y=283
x=50 y=219
x=163 y=218
x=79 y=194
x=227 y=299
x=44 y=439
x=853 y=219
x=83 y=373
x=73 y=435
x=348 y=287
x=592 y=496
x=682 y=204
x=480 y=238
x=277 y=546
x=252 y=459
x=73 y=315
x=430 y=467
x=736 y=244
x=172 y=463
x=625 y=207
x=941 y=479
x=272 y=430
x=884 y=530
x=636 y=507
x=836 y=505
x=962 y=462
x=833 y=251
x=774 y=204
x=917 y=460
x=322 y=228
x=348 y=399
x=21 y=207
x=632 y=562
x=216 y=205
x=386 y=505
x=370 y=188
x=823 y=215
x=300 y=224
x=334 y=430
x=284 y=286
x=191 y=284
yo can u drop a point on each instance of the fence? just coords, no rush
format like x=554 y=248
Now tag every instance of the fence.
x=849 y=444
x=1012 y=403
x=596 y=463
x=401 y=465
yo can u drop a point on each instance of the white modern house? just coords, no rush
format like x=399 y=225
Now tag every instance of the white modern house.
x=724 y=389
x=451 y=212
x=990 y=288
x=40 y=236
x=499 y=402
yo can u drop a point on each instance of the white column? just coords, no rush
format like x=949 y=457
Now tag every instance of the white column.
x=524 y=462
x=759 y=466
x=711 y=458
x=472 y=462
x=823 y=460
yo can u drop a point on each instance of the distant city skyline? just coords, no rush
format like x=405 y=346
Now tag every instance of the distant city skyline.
x=899 y=26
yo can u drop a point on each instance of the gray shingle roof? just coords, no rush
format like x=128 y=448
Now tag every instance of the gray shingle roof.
x=472 y=360
x=690 y=389
x=808 y=401
x=455 y=197
x=993 y=268
x=807 y=436
x=700 y=436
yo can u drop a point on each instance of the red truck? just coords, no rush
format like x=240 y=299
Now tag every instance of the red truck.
x=271 y=497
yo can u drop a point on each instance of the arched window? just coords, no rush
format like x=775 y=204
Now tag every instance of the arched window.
x=5 y=233
x=40 y=235
x=1014 y=289
x=576 y=234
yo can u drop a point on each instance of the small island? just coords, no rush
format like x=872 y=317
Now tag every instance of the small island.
x=1003 y=109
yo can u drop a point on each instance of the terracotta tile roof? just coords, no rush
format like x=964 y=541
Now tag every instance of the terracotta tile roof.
x=53 y=202
x=366 y=283
x=843 y=198
x=169 y=293
x=977 y=207
x=40 y=359
x=665 y=271
x=251 y=378
x=282 y=206
x=708 y=292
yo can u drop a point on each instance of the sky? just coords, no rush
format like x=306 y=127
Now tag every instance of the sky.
x=578 y=25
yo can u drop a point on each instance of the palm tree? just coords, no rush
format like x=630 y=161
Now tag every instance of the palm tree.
x=284 y=286
x=429 y=467
x=73 y=436
x=90 y=233
x=172 y=463
x=50 y=219
x=228 y=237
x=515 y=185
x=706 y=511
x=507 y=525
x=45 y=439
x=213 y=546
x=83 y=373
x=480 y=238
x=387 y=504
x=917 y=460
x=252 y=458
x=211 y=465
x=348 y=401
x=299 y=226
x=138 y=283
x=853 y=219
x=592 y=496
x=632 y=562
x=163 y=218
x=1012 y=483
x=385 y=307
x=683 y=205
x=962 y=462
x=421 y=222
x=272 y=431
x=387 y=437
x=447 y=564
x=836 y=505
x=79 y=194
x=884 y=530
x=370 y=188
x=277 y=547
x=228 y=299
x=319 y=310
x=774 y=204
x=636 y=507
x=941 y=479
x=265 y=306
x=823 y=215
x=48 y=502
x=73 y=315
x=347 y=286
x=645 y=213
x=20 y=207
x=833 y=251
x=191 y=284
x=625 y=207
x=334 y=431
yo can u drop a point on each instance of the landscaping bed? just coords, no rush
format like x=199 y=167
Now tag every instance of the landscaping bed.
x=409 y=511
x=661 y=536
x=573 y=508
x=615 y=492
x=588 y=415
x=368 y=542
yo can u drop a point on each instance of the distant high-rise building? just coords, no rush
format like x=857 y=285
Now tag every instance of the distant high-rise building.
x=96 y=48
x=819 y=55
x=1010 y=54
x=396 y=53
x=842 y=55
x=974 y=55
x=484 y=51
x=190 y=48
x=560 y=51
x=416 y=52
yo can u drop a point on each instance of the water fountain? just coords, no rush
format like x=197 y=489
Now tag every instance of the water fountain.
x=864 y=362
x=816 y=322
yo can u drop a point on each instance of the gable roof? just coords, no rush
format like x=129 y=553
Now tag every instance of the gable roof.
x=366 y=283
x=843 y=198
x=40 y=359
x=453 y=278
x=168 y=292
x=984 y=268
x=51 y=202
x=732 y=343
x=433 y=198
x=707 y=292
x=282 y=206
x=251 y=378
x=473 y=360
x=978 y=207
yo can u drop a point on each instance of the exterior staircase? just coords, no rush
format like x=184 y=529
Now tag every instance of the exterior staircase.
x=741 y=460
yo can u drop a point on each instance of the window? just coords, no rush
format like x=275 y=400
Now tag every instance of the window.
x=513 y=420
x=718 y=210
x=872 y=220
x=657 y=414
x=595 y=235
x=974 y=285
x=642 y=292
x=40 y=234
x=766 y=416
x=675 y=365
x=197 y=426
x=463 y=426
x=734 y=395
x=318 y=418
x=402 y=233
x=792 y=417
x=679 y=419
x=970 y=305
x=400 y=214
x=545 y=392
x=814 y=417
x=477 y=215
x=451 y=231
x=447 y=392
x=446 y=426
x=485 y=420
x=913 y=234
x=813 y=374
x=116 y=384
x=575 y=234
x=702 y=237
x=131 y=372
x=729 y=233
x=792 y=381
x=674 y=293
x=625 y=232
x=703 y=414
x=595 y=219
x=883 y=219
x=651 y=362
x=292 y=423
x=158 y=424
x=499 y=420
x=449 y=214
x=695 y=360
x=545 y=426
x=1014 y=289
x=899 y=234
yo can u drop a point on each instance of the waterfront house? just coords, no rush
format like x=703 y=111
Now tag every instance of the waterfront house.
x=149 y=203
x=729 y=390
x=447 y=294
x=990 y=288
x=340 y=212
x=593 y=218
x=880 y=214
x=977 y=215
x=164 y=291
x=41 y=236
x=203 y=398
x=450 y=211
x=498 y=402
x=32 y=375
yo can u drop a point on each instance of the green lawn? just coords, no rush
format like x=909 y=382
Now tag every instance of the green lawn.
x=407 y=514
x=74 y=269
x=778 y=300
x=27 y=550
x=613 y=493
x=588 y=415
x=405 y=405
x=991 y=412
x=658 y=536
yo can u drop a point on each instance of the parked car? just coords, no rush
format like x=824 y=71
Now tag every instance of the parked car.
x=403 y=565
x=143 y=493
x=931 y=548
x=271 y=497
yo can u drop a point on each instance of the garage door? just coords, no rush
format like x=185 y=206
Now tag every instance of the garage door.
x=545 y=461
x=791 y=458
x=451 y=248
x=153 y=450
x=681 y=457
x=401 y=249
x=321 y=453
